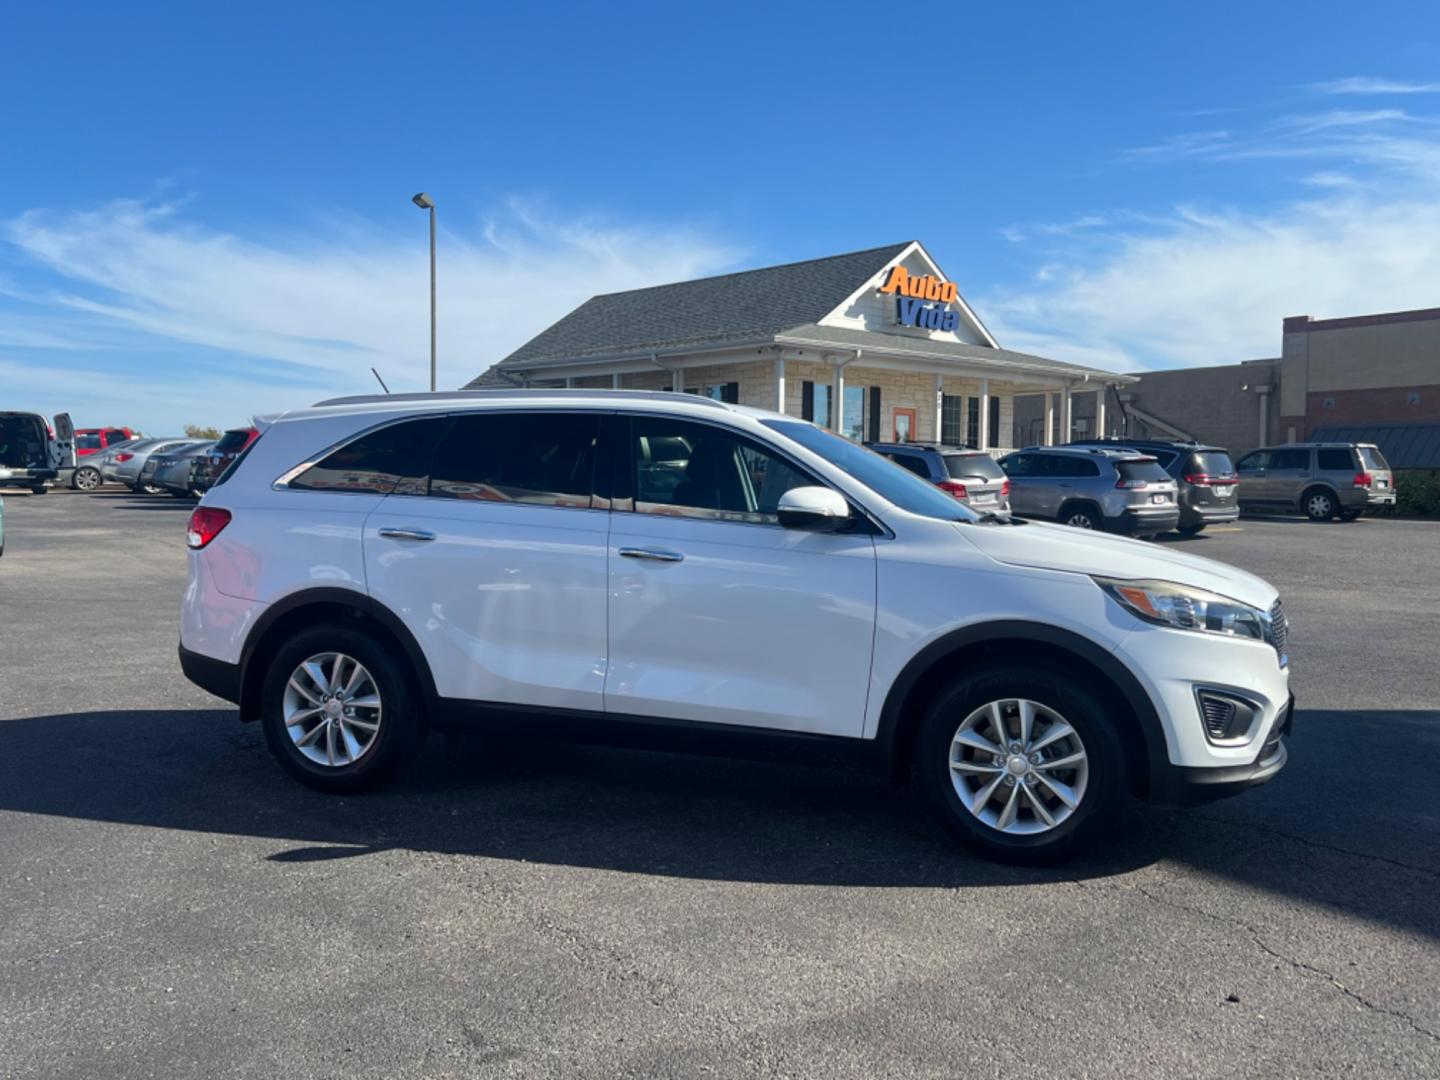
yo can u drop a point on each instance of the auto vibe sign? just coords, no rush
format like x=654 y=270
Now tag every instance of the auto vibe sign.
x=920 y=300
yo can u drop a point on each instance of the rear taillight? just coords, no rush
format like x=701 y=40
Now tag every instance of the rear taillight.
x=123 y=457
x=1005 y=488
x=205 y=524
x=1198 y=478
x=955 y=488
x=1130 y=484
x=1362 y=480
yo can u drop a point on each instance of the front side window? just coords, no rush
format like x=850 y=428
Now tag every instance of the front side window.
x=685 y=469
x=1254 y=462
x=1019 y=464
x=390 y=460
x=538 y=459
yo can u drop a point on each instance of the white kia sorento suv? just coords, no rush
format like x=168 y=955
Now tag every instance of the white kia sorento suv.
x=665 y=570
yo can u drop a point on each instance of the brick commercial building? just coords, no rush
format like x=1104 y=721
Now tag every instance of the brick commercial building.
x=1377 y=373
x=876 y=345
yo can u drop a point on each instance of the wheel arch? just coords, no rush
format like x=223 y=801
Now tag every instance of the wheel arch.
x=1141 y=733
x=288 y=616
x=1322 y=486
x=1077 y=502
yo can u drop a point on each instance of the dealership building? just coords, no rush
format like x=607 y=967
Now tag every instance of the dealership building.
x=877 y=345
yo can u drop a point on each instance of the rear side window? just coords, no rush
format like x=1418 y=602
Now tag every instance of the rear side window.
x=981 y=465
x=1334 y=459
x=1290 y=459
x=392 y=460
x=1372 y=458
x=1060 y=465
x=1148 y=471
x=539 y=459
x=1211 y=463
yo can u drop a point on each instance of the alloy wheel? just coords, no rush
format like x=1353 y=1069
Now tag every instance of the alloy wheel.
x=1018 y=766
x=1079 y=521
x=87 y=479
x=332 y=709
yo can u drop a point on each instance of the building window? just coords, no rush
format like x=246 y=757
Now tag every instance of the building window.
x=727 y=392
x=853 y=423
x=822 y=414
x=951 y=410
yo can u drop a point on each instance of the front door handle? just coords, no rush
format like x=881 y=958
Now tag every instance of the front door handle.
x=657 y=554
x=407 y=534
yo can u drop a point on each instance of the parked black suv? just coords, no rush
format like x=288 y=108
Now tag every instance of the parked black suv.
x=1205 y=476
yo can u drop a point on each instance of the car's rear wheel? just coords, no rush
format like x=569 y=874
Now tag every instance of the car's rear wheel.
x=1191 y=530
x=85 y=479
x=1023 y=767
x=39 y=489
x=1080 y=517
x=1350 y=515
x=1319 y=504
x=338 y=712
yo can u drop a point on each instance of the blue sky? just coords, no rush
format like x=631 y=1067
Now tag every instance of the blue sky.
x=204 y=211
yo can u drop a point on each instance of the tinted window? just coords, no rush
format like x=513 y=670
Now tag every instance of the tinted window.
x=1018 y=465
x=1335 y=458
x=916 y=464
x=393 y=459
x=1254 y=462
x=708 y=472
x=1211 y=463
x=114 y=435
x=87 y=442
x=538 y=459
x=232 y=441
x=981 y=465
x=1290 y=459
x=1148 y=471
x=1063 y=466
x=1372 y=458
x=897 y=486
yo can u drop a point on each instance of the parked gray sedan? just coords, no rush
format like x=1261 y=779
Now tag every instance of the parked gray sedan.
x=1089 y=488
x=174 y=469
x=124 y=467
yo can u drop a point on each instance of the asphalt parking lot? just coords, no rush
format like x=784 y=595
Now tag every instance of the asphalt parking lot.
x=171 y=904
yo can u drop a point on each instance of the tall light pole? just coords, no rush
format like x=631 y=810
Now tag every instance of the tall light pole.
x=426 y=203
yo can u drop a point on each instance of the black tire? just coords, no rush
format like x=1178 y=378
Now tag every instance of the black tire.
x=39 y=489
x=178 y=493
x=1350 y=515
x=1318 y=504
x=1191 y=530
x=85 y=479
x=1105 y=786
x=1074 y=516
x=402 y=723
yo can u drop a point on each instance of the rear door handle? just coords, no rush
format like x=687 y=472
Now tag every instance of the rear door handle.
x=656 y=554
x=407 y=534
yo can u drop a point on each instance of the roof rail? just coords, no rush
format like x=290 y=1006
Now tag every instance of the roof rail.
x=522 y=392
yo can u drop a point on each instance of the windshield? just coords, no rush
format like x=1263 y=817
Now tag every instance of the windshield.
x=981 y=465
x=1372 y=458
x=892 y=482
x=1211 y=463
x=1149 y=471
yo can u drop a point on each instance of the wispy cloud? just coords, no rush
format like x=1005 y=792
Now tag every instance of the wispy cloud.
x=275 y=323
x=1207 y=284
x=1369 y=84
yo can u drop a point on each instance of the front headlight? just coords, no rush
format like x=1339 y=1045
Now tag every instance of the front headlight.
x=1167 y=604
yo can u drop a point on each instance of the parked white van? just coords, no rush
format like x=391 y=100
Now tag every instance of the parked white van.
x=667 y=570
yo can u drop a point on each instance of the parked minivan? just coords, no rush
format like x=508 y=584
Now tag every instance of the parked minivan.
x=31 y=454
x=1319 y=480
x=1204 y=475
x=671 y=571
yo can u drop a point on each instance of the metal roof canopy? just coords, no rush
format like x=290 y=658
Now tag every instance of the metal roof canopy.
x=1405 y=446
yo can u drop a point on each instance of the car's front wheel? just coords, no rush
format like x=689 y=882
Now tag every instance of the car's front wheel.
x=1191 y=530
x=1024 y=767
x=1080 y=517
x=338 y=712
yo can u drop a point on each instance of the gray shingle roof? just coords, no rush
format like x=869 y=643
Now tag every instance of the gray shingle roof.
x=731 y=307
x=1405 y=446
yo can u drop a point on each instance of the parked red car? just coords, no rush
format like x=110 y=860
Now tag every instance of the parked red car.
x=209 y=465
x=91 y=440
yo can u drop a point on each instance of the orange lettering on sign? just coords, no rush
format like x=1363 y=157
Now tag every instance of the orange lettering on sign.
x=920 y=286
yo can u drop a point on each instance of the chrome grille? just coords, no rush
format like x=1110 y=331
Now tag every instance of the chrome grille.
x=1277 y=630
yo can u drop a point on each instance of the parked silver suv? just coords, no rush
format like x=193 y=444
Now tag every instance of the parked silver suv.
x=970 y=476
x=1092 y=488
x=1319 y=480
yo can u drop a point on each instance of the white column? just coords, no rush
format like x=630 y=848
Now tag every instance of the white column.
x=677 y=380
x=1049 y=419
x=1065 y=422
x=1100 y=413
x=939 y=406
x=837 y=403
x=615 y=381
x=780 y=384
x=984 y=414
x=569 y=381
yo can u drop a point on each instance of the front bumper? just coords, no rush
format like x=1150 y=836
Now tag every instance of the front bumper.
x=1180 y=785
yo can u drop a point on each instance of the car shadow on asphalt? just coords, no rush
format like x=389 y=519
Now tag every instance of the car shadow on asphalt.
x=1314 y=834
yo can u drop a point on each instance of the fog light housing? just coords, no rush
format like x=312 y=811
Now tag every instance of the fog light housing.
x=1228 y=719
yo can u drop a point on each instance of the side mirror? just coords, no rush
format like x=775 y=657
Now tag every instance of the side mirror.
x=814 y=509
